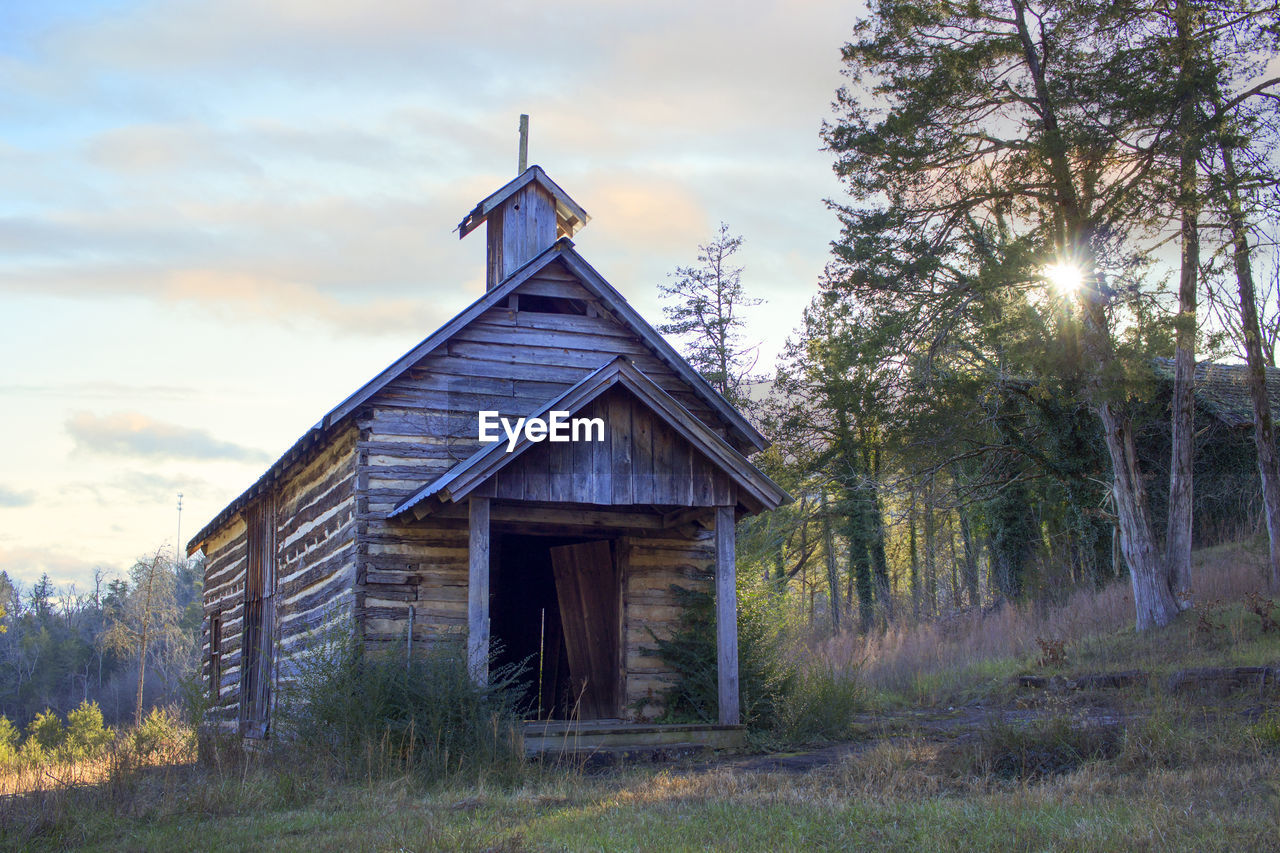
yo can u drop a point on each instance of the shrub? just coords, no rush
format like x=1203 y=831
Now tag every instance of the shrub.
x=32 y=753
x=86 y=735
x=764 y=676
x=46 y=729
x=820 y=705
x=9 y=738
x=161 y=731
x=371 y=712
x=1267 y=728
x=794 y=703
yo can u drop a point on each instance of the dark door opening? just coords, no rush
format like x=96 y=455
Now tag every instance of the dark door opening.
x=554 y=610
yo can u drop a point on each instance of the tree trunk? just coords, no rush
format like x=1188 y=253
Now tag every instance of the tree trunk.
x=142 y=643
x=833 y=578
x=930 y=553
x=915 y=560
x=1153 y=600
x=1263 y=427
x=1177 y=542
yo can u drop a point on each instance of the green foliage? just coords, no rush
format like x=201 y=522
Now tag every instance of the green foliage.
x=9 y=738
x=47 y=730
x=86 y=735
x=763 y=675
x=819 y=706
x=1267 y=729
x=778 y=697
x=372 y=714
x=161 y=731
x=32 y=753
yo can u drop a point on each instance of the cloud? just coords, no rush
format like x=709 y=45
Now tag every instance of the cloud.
x=10 y=498
x=135 y=434
x=138 y=488
x=27 y=564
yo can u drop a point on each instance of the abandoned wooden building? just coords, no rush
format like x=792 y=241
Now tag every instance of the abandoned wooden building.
x=392 y=517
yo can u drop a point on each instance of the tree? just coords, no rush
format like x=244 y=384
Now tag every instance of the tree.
x=702 y=309
x=1230 y=196
x=1058 y=125
x=147 y=621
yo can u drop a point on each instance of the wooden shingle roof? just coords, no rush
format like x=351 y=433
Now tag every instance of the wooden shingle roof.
x=1222 y=390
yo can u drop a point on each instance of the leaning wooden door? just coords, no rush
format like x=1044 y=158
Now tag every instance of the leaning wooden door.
x=589 y=593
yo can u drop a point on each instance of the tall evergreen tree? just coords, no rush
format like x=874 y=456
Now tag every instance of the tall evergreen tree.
x=703 y=307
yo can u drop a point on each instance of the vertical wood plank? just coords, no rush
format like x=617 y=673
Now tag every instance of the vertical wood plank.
x=561 y=474
x=727 y=616
x=642 y=455
x=478 y=590
x=588 y=592
x=620 y=425
x=701 y=471
x=681 y=472
x=493 y=252
x=537 y=473
x=581 y=462
x=663 y=441
x=602 y=458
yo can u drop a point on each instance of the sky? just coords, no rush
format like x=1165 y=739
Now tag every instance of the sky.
x=218 y=218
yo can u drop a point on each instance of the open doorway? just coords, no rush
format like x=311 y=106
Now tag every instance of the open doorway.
x=555 y=608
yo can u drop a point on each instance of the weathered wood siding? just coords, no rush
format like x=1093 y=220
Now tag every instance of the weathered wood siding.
x=640 y=460
x=337 y=554
x=509 y=360
x=314 y=559
x=650 y=568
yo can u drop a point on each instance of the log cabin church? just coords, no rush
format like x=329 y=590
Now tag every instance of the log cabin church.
x=391 y=516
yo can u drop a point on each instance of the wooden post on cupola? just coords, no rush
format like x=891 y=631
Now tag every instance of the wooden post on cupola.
x=524 y=144
x=525 y=217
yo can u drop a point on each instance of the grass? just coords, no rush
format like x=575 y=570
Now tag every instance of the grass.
x=971 y=656
x=953 y=757
x=892 y=796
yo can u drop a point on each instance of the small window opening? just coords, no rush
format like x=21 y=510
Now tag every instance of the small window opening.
x=552 y=305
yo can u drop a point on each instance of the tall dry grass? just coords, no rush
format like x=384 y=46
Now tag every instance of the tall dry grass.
x=907 y=653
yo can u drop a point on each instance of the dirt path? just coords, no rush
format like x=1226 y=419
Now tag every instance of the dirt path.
x=929 y=726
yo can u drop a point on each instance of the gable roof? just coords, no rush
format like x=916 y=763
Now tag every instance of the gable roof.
x=569 y=216
x=609 y=298
x=466 y=476
x=613 y=301
x=1222 y=390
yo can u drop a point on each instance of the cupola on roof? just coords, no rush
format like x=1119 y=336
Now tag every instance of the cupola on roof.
x=525 y=218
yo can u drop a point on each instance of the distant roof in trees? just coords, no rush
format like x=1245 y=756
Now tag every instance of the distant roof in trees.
x=1222 y=390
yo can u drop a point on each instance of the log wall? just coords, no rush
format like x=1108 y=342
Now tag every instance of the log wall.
x=650 y=568
x=314 y=523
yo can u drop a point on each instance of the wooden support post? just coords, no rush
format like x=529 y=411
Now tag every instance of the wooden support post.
x=478 y=591
x=727 y=616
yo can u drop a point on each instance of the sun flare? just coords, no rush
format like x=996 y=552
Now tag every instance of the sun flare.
x=1065 y=277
